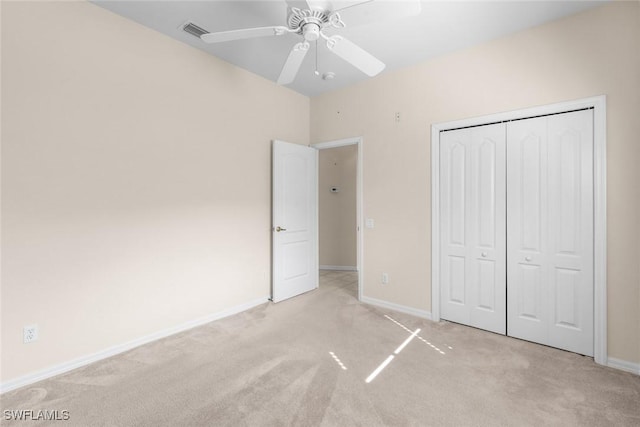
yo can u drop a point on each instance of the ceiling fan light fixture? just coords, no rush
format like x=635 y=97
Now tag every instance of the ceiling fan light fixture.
x=311 y=32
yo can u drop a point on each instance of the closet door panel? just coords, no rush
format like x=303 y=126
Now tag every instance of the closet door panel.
x=529 y=305
x=550 y=230
x=473 y=250
x=457 y=283
x=454 y=167
x=457 y=193
x=527 y=229
x=530 y=189
x=571 y=231
x=486 y=190
x=488 y=245
x=486 y=285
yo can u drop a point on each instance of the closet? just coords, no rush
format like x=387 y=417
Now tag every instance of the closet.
x=516 y=228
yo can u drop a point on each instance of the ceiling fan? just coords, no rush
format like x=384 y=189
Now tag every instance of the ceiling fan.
x=310 y=19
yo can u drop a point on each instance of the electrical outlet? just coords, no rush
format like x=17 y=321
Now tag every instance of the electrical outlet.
x=30 y=333
x=385 y=278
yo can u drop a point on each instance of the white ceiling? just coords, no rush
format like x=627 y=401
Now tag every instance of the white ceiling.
x=441 y=27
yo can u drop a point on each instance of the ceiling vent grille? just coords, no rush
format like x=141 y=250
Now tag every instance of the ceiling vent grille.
x=194 y=30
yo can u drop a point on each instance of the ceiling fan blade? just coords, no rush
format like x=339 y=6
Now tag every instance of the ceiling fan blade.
x=309 y=4
x=247 y=33
x=319 y=4
x=355 y=55
x=294 y=61
x=373 y=11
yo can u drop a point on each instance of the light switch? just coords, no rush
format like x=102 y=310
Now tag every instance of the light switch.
x=369 y=223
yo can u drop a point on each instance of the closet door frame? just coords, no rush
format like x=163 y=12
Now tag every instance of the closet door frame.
x=598 y=104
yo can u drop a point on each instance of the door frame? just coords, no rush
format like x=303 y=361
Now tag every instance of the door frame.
x=598 y=103
x=359 y=200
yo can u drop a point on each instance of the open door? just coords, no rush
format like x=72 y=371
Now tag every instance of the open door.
x=295 y=220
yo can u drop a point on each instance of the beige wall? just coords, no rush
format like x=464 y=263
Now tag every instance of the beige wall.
x=135 y=181
x=593 y=53
x=337 y=167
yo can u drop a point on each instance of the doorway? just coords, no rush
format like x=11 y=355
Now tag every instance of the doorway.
x=340 y=206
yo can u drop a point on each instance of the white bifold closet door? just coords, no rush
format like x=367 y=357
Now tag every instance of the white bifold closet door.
x=550 y=230
x=473 y=241
x=516 y=229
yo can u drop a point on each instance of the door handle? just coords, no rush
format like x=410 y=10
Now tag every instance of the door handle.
x=527 y=258
x=279 y=229
x=483 y=254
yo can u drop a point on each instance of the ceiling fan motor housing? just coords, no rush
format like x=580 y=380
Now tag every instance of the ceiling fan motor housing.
x=308 y=23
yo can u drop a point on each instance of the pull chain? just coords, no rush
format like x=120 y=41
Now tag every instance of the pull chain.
x=317 y=73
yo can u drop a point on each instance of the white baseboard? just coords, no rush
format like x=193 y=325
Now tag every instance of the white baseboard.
x=112 y=351
x=339 y=267
x=397 y=307
x=623 y=365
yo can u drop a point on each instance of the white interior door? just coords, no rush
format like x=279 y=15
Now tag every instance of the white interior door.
x=472 y=215
x=295 y=220
x=550 y=230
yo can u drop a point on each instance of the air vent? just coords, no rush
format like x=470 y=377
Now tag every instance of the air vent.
x=194 y=30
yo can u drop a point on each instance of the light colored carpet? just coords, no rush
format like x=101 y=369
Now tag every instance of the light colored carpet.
x=272 y=366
